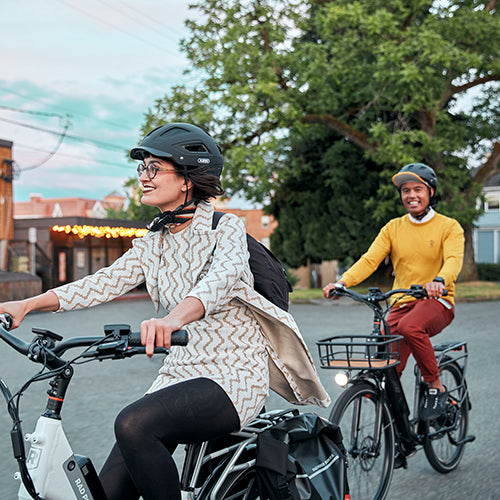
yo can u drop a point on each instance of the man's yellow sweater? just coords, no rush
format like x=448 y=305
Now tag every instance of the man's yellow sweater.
x=419 y=252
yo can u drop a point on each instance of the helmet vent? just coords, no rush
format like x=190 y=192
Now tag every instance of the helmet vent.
x=196 y=148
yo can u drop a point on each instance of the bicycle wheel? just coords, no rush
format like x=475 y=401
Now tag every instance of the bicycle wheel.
x=369 y=465
x=240 y=485
x=444 y=438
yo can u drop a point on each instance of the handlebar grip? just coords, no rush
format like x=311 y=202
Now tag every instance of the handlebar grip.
x=338 y=291
x=179 y=337
x=6 y=321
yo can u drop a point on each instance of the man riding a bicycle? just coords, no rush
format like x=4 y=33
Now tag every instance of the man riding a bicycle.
x=426 y=248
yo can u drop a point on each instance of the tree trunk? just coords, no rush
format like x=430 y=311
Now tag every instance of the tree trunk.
x=469 y=269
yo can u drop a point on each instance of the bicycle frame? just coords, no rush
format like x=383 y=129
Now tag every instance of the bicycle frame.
x=51 y=453
x=51 y=470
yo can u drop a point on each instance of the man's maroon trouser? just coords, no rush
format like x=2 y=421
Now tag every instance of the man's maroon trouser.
x=417 y=321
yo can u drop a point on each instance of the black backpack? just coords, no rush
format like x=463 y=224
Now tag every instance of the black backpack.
x=301 y=457
x=268 y=272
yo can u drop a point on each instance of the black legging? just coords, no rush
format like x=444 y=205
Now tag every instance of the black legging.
x=148 y=431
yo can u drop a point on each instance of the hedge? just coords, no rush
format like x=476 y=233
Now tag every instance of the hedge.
x=488 y=272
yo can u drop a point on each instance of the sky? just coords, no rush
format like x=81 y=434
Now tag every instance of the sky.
x=76 y=79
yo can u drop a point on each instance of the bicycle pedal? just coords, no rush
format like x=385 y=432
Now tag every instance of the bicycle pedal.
x=400 y=462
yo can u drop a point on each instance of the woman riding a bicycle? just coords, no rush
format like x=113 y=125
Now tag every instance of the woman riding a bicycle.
x=426 y=248
x=240 y=343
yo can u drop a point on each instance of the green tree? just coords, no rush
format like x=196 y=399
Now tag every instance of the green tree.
x=384 y=76
x=320 y=199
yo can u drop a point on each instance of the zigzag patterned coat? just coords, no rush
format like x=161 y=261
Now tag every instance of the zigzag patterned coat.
x=245 y=343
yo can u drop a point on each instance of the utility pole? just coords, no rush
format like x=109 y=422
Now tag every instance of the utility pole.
x=6 y=202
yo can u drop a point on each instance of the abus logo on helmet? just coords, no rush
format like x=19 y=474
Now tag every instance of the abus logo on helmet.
x=205 y=161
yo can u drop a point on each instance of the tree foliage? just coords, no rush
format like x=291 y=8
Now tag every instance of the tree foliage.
x=305 y=96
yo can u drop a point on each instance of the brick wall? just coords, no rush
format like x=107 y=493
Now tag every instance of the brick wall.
x=18 y=286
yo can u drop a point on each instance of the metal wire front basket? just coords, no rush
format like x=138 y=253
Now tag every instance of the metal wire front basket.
x=359 y=352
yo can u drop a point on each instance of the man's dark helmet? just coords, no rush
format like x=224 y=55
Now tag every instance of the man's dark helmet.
x=416 y=172
x=184 y=144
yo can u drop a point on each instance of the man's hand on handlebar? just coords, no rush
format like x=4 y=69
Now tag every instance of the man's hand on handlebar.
x=434 y=289
x=329 y=290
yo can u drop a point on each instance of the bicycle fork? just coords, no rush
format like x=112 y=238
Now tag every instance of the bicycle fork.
x=366 y=445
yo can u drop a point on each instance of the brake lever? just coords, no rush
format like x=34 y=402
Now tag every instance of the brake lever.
x=117 y=350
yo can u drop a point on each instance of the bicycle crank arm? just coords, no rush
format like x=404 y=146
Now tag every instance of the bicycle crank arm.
x=465 y=440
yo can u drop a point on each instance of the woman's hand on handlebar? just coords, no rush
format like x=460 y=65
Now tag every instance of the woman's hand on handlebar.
x=157 y=332
x=434 y=289
x=16 y=310
x=328 y=290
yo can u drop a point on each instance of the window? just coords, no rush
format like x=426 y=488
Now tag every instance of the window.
x=493 y=202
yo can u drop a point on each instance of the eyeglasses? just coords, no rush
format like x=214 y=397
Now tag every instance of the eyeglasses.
x=151 y=170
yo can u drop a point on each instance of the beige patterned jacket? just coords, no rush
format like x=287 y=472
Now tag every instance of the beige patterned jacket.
x=291 y=368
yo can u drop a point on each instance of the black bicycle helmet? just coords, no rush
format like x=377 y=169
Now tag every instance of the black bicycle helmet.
x=185 y=144
x=419 y=172
x=416 y=172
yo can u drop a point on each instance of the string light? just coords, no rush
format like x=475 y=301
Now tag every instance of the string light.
x=100 y=231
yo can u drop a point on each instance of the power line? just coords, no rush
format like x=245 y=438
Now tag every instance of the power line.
x=152 y=19
x=134 y=18
x=31 y=112
x=95 y=18
x=51 y=153
x=99 y=144
x=74 y=157
x=107 y=122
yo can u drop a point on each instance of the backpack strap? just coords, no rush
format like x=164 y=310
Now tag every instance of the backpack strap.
x=216 y=218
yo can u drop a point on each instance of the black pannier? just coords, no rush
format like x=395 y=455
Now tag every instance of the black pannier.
x=301 y=457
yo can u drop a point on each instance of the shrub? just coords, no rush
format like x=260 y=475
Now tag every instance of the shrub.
x=488 y=272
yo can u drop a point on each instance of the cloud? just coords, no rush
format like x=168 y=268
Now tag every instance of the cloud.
x=98 y=64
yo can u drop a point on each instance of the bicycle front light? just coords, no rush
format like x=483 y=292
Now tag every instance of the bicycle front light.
x=342 y=378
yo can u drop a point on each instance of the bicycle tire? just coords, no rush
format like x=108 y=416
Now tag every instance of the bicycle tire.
x=444 y=450
x=239 y=485
x=369 y=471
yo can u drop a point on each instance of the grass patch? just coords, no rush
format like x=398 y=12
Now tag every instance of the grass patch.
x=478 y=290
x=468 y=290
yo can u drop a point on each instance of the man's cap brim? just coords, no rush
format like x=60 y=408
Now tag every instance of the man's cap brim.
x=402 y=177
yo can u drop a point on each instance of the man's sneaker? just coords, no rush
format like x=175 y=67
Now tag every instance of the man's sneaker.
x=434 y=404
x=402 y=452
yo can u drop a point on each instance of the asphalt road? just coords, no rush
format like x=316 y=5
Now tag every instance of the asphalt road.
x=100 y=390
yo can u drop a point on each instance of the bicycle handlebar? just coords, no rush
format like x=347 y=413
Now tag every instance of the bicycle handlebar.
x=376 y=295
x=117 y=343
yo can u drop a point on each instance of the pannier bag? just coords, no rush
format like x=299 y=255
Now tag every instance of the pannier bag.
x=269 y=275
x=301 y=457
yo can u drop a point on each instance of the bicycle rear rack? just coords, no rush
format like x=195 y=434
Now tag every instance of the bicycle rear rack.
x=226 y=455
x=359 y=352
x=454 y=352
x=448 y=352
